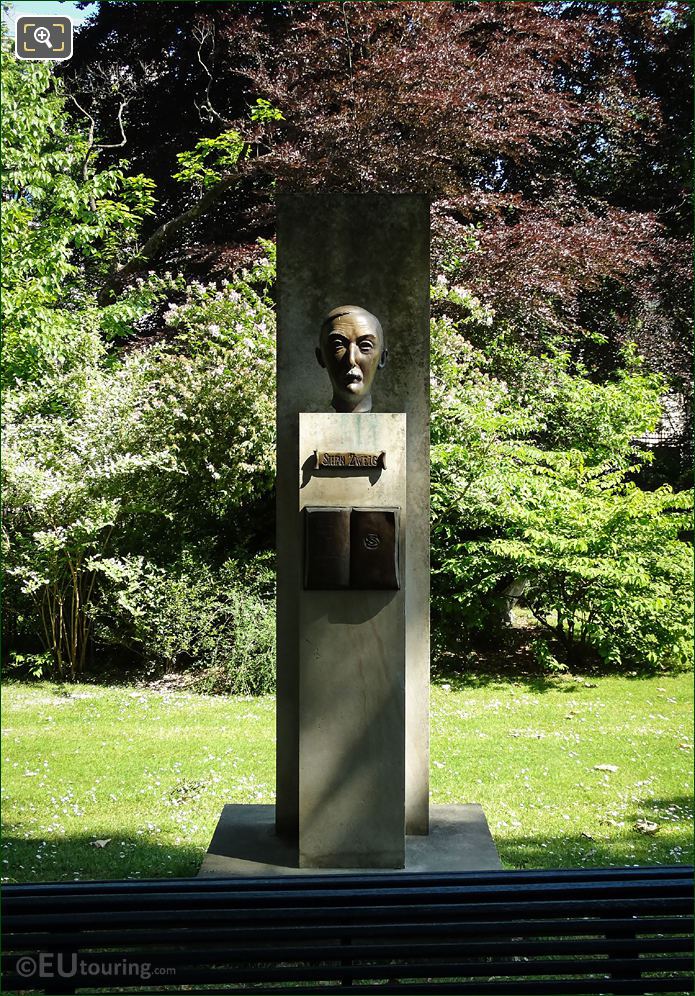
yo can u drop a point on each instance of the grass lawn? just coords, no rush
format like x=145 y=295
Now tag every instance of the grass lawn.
x=118 y=782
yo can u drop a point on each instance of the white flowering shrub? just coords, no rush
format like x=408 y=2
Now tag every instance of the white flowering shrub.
x=112 y=460
x=164 y=450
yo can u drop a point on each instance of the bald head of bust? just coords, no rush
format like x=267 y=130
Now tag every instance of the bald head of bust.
x=351 y=348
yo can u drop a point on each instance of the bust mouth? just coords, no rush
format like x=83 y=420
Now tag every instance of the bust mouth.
x=352 y=378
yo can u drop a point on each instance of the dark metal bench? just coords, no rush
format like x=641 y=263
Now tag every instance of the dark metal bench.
x=620 y=930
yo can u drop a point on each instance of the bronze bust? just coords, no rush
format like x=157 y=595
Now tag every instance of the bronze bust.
x=351 y=348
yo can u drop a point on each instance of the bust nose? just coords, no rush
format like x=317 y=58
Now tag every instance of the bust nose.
x=352 y=354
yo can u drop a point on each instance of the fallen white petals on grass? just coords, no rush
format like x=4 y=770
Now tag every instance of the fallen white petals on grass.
x=100 y=843
x=605 y=767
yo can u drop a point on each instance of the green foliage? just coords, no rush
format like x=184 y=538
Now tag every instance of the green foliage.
x=210 y=158
x=161 y=450
x=604 y=567
x=137 y=485
x=121 y=319
x=56 y=524
x=33 y=666
x=264 y=112
x=107 y=457
x=118 y=506
x=531 y=479
x=452 y=254
x=64 y=224
x=191 y=616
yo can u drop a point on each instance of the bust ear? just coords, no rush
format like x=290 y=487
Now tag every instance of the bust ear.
x=319 y=357
x=382 y=359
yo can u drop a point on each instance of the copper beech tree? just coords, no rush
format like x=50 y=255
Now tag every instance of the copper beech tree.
x=553 y=138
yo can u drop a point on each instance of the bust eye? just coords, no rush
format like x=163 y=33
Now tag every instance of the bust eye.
x=366 y=346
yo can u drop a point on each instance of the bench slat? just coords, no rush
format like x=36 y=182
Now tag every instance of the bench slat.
x=659 y=926
x=335 y=883
x=588 y=906
x=390 y=948
x=681 y=985
x=601 y=968
x=194 y=898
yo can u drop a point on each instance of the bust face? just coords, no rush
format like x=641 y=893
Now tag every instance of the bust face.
x=351 y=348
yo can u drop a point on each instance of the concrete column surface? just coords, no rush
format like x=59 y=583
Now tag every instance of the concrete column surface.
x=370 y=250
x=352 y=665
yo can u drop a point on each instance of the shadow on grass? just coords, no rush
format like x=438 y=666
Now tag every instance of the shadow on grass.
x=575 y=851
x=474 y=671
x=95 y=856
x=459 y=681
x=663 y=843
x=510 y=658
x=80 y=858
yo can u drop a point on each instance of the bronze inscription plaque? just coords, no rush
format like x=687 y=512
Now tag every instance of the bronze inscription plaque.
x=354 y=460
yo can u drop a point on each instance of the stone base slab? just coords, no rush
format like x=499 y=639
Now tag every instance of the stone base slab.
x=245 y=843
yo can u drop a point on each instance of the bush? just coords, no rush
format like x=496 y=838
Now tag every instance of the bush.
x=215 y=624
x=160 y=451
x=112 y=461
x=531 y=487
x=605 y=571
x=133 y=504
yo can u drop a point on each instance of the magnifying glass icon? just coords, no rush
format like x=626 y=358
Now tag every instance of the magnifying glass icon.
x=43 y=36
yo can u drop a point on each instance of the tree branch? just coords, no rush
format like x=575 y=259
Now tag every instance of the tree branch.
x=162 y=236
x=201 y=35
x=118 y=145
x=90 y=142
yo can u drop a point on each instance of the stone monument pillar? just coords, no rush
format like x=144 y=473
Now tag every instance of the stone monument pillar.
x=353 y=556
x=352 y=641
x=369 y=251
